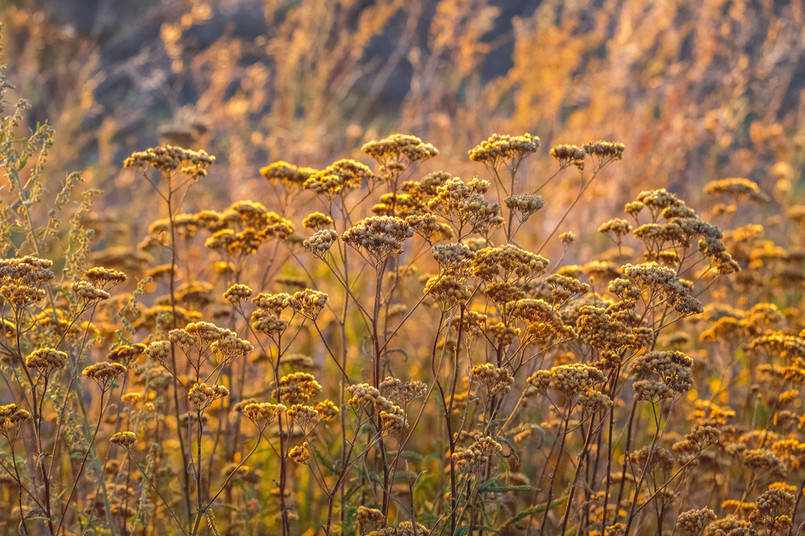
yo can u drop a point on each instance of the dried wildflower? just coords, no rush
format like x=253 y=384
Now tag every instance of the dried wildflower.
x=604 y=149
x=524 y=205
x=203 y=395
x=497 y=380
x=567 y=238
x=338 y=178
x=326 y=410
x=463 y=205
x=671 y=369
x=539 y=312
x=406 y=528
x=569 y=154
x=124 y=439
x=477 y=454
x=764 y=460
x=168 y=158
x=250 y=213
x=20 y=296
x=699 y=438
x=286 y=173
x=237 y=293
x=448 y=291
x=308 y=303
x=222 y=239
x=507 y=261
x=657 y=235
x=429 y=227
x=11 y=416
x=413 y=389
x=653 y=277
x=182 y=338
x=658 y=458
x=502 y=334
x=790 y=451
x=773 y=510
x=262 y=414
x=297 y=388
x=272 y=303
x=46 y=360
x=101 y=276
x=595 y=400
x=317 y=221
x=300 y=453
x=693 y=522
x=321 y=242
x=379 y=236
x=500 y=148
x=103 y=373
x=392 y=388
x=396 y=152
x=455 y=257
x=597 y=327
x=633 y=208
x=504 y=293
x=617 y=227
x=365 y=516
x=158 y=351
x=575 y=378
x=652 y=390
x=565 y=287
x=363 y=396
x=737 y=187
x=788 y=347
x=230 y=347
x=132 y=398
x=540 y=381
x=303 y=414
x=126 y=353
x=206 y=332
x=393 y=420
x=27 y=271
x=267 y=323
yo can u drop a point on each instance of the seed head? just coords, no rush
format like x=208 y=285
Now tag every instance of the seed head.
x=46 y=360
x=500 y=148
x=124 y=439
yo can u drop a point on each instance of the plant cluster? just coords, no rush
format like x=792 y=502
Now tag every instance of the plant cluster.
x=402 y=360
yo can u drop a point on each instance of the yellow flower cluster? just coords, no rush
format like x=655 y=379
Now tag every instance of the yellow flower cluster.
x=499 y=148
x=103 y=373
x=11 y=416
x=379 y=236
x=286 y=173
x=297 y=388
x=124 y=439
x=46 y=360
x=203 y=395
x=169 y=158
x=338 y=178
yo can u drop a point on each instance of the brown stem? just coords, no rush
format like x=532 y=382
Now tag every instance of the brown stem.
x=81 y=467
x=173 y=350
x=563 y=427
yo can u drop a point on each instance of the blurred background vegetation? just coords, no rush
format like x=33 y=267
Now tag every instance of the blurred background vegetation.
x=696 y=90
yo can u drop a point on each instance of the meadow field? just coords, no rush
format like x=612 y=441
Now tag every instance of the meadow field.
x=402 y=268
